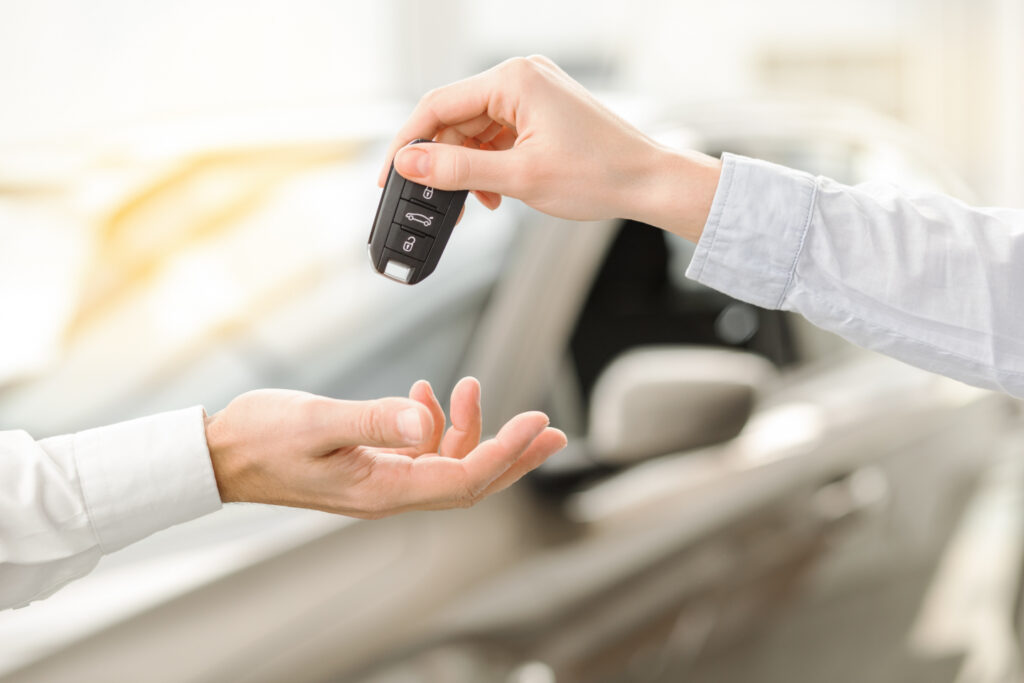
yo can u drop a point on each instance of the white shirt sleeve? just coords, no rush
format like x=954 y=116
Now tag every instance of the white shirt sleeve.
x=920 y=277
x=68 y=500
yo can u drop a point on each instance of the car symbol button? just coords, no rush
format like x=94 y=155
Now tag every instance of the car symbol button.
x=409 y=243
x=418 y=218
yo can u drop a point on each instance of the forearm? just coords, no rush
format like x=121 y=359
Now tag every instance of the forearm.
x=923 y=278
x=66 y=501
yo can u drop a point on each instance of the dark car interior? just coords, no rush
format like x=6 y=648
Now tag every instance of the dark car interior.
x=636 y=301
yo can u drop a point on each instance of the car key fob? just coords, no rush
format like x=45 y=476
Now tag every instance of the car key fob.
x=412 y=227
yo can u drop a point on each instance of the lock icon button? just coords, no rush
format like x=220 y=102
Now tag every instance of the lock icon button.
x=424 y=195
x=408 y=243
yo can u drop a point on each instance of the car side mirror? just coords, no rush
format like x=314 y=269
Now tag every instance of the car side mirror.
x=656 y=400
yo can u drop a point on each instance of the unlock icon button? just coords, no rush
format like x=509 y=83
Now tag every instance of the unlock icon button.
x=409 y=243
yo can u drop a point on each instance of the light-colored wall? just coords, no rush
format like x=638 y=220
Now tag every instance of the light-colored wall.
x=956 y=65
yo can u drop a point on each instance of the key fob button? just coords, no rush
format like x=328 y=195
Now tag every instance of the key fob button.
x=438 y=199
x=396 y=270
x=411 y=228
x=409 y=243
x=418 y=218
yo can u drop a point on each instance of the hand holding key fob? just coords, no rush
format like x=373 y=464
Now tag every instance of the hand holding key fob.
x=412 y=227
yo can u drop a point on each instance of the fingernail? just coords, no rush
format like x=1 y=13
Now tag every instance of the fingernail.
x=413 y=161
x=410 y=426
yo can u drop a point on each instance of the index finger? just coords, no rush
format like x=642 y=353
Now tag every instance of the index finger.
x=449 y=105
x=423 y=393
x=464 y=434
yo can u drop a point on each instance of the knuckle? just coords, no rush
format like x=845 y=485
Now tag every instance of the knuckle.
x=513 y=63
x=371 y=424
x=311 y=414
x=520 y=68
x=468 y=497
x=430 y=101
x=523 y=179
x=430 y=97
x=314 y=417
x=459 y=167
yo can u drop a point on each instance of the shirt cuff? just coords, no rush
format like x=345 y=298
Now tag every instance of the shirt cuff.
x=754 y=233
x=144 y=475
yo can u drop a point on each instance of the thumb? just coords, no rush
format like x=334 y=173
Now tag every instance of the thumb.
x=387 y=422
x=453 y=167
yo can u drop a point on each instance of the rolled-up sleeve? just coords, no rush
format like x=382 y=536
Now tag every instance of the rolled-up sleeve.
x=67 y=500
x=924 y=278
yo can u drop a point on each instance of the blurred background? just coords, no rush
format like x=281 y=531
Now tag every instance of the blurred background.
x=185 y=193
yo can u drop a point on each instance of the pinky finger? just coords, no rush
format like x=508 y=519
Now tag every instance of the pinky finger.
x=549 y=442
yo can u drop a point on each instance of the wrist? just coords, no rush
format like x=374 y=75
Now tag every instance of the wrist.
x=679 y=188
x=227 y=466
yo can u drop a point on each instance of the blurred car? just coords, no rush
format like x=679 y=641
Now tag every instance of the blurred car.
x=744 y=498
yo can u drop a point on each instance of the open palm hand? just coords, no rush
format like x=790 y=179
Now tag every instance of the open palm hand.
x=370 y=458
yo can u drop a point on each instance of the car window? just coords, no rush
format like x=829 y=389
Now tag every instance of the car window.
x=641 y=296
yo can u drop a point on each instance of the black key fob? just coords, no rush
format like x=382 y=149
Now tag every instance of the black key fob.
x=412 y=227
